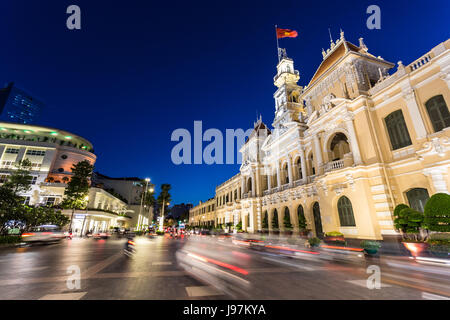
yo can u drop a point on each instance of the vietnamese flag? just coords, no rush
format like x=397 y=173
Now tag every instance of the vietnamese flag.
x=286 y=33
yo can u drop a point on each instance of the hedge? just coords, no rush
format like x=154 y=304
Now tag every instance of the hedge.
x=437 y=213
x=9 y=239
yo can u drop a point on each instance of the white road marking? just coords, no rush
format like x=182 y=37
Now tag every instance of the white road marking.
x=32 y=269
x=363 y=283
x=202 y=291
x=291 y=264
x=162 y=263
x=430 y=296
x=63 y=296
x=428 y=269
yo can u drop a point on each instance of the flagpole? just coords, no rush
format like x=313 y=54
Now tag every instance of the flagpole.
x=278 y=47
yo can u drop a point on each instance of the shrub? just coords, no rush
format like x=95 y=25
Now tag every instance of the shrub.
x=275 y=221
x=287 y=221
x=413 y=220
x=370 y=244
x=161 y=233
x=334 y=234
x=265 y=223
x=314 y=242
x=437 y=213
x=302 y=222
x=399 y=222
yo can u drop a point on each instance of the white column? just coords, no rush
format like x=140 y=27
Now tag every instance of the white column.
x=290 y=175
x=253 y=184
x=318 y=152
x=303 y=162
x=445 y=75
x=269 y=180
x=242 y=186
x=278 y=174
x=353 y=140
x=413 y=108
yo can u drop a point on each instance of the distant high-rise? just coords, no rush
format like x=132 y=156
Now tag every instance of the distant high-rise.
x=18 y=106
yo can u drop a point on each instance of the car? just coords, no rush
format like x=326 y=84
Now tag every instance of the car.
x=101 y=235
x=43 y=234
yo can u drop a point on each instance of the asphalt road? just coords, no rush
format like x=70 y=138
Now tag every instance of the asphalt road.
x=207 y=268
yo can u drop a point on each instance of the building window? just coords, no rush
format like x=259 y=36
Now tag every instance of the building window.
x=49 y=201
x=345 y=210
x=417 y=198
x=36 y=166
x=438 y=113
x=33 y=180
x=32 y=152
x=7 y=164
x=398 y=132
x=12 y=150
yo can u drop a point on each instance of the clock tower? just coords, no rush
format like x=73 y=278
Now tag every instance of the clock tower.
x=288 y=107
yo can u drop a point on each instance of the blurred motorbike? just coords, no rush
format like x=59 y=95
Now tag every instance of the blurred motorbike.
x=130 y=248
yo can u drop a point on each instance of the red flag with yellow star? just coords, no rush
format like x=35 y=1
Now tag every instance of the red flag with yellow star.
x=286 y=33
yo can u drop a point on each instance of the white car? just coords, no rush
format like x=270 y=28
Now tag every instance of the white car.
x=44 y=233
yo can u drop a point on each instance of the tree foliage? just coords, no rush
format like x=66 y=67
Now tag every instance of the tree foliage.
x=164 y=196
x=20 y=179
x=302 y=221
x=287 y=221
x=275 y=220
x=78 y=186
x=265 y=223
x=437 y=213
x=400 y=223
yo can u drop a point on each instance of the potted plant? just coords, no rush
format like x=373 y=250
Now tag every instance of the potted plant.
x=370 y=247
x=314 y=242
x=287 y=224
x=410 y=222
x=275 y=224
x=334 y=237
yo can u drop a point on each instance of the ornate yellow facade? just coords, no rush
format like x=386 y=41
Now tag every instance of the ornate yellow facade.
x=348 y=147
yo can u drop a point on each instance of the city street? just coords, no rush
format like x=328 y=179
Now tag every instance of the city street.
x=208 y=267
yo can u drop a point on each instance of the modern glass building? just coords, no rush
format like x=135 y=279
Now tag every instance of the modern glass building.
x=18 y=106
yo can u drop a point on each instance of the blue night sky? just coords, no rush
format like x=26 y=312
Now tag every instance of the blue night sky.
x=140 y=69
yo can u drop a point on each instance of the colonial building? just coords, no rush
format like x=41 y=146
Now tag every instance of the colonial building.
x=203 y=214
x=348 y=147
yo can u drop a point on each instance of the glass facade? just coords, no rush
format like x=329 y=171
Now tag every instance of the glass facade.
x=18 y=106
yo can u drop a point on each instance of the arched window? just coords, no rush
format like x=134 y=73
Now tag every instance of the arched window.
x=438 y=113
x=286 y=173
x=275 y=219
x=299 y=168
x=417 y=198
x=398 y=132
x=265 y=222
x=301 y=217
x=287 y=218
x=345 y=210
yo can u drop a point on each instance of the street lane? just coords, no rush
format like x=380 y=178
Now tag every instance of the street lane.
x=223 y=270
